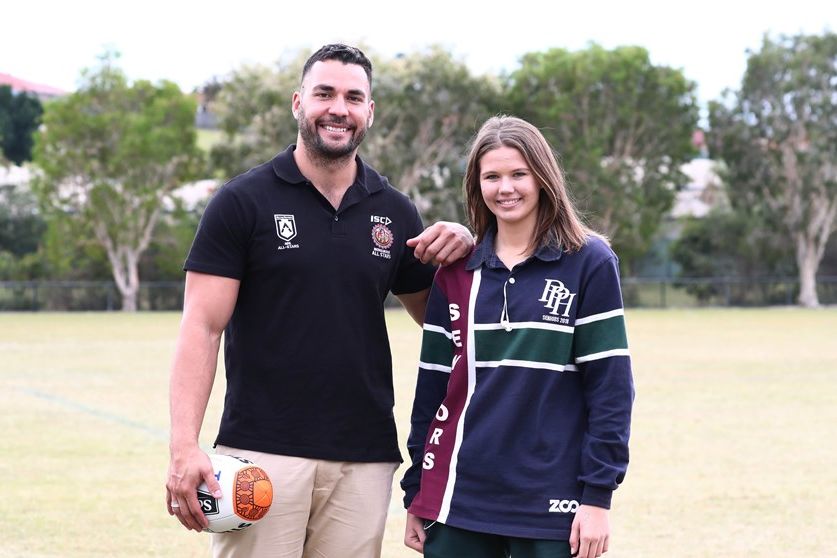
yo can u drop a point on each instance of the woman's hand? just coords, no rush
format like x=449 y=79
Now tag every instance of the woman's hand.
x=590 y=532
x=414 y=534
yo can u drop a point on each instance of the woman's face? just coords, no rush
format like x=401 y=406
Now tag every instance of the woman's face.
x=509 y=188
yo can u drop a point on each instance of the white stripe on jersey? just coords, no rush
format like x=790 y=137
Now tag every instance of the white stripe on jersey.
x=524 y=364
x=437 y=329
x=603 y=354
x=530 y=325
x=439 y=367
x=602 y=316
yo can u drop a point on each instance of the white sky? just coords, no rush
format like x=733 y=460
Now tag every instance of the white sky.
x=50 y=41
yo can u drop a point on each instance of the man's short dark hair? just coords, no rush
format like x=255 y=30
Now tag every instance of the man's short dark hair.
x=344 y=53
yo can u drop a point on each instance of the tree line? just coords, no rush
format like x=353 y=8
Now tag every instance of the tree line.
x=109 y=156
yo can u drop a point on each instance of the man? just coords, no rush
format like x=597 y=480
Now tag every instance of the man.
x=293 y=261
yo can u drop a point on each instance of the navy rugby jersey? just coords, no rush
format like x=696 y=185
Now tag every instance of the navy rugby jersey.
x=307 y=355
x=524 y=394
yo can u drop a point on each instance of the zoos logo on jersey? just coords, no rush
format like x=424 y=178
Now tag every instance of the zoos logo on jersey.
x=563 y=506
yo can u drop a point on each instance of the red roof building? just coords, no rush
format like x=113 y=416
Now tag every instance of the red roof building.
x=43 y=92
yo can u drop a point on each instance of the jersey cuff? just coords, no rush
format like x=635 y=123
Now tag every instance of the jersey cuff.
x=596 y=496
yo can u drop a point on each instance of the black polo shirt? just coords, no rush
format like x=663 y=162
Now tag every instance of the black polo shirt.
x=307 y=356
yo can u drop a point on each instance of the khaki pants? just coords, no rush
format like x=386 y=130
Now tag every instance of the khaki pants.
x=321 y=509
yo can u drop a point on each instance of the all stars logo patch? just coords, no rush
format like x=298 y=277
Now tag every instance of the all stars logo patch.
x=285 y=230
x=382 y=237
x=285 y=227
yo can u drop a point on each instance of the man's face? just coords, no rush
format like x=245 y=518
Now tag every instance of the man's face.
x=333 y=109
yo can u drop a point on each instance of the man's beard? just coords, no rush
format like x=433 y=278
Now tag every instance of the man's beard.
x=318 y=148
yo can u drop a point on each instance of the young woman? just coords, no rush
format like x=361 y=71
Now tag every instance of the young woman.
x=521 y=417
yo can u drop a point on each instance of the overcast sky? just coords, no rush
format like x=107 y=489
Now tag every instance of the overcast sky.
x=189 y=42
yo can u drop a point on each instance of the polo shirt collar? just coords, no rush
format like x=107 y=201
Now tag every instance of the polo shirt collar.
x=484 y=253
x=284 y=166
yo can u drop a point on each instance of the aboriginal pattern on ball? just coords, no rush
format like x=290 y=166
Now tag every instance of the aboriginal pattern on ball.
x=253 y=493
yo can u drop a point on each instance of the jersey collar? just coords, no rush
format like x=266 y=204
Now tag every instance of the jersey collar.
x=484 y=253
x=284 y=166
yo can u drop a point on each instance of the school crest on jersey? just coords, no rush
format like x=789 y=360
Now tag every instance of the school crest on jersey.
x=558 y=299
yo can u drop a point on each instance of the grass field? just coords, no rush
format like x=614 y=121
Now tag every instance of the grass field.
x=733 y=450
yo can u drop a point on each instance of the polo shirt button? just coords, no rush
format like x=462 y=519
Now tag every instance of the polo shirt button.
x=511 y=280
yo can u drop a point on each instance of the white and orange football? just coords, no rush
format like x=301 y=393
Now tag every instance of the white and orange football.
x=247 y=494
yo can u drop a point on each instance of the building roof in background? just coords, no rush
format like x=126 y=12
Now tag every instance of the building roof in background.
x=19 y=85
x=703 y=191
x=193 y=193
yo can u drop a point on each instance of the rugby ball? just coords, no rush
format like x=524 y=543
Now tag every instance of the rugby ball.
x=247 y=494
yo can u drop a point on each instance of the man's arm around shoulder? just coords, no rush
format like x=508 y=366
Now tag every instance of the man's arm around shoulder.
x=442 y=243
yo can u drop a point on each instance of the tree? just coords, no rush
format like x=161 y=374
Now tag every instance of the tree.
x=726 y=244
x=21 y=229
x=778 y=136
x=163 y=261
x=254 y=113
x=21 y=223
x=427 y=106
x=109 y=155
x=622 y=127
x=20 y=116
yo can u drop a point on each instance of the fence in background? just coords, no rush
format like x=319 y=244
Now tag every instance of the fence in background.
x=60 y=296
x=638 y=292
x=653 y=292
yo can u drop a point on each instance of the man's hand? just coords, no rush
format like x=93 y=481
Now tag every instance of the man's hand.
x=442 y=243
x=186 y=471
x=590 y=533
x=414 y=535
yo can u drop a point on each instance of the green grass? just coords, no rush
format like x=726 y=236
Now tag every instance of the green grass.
x=732 y=450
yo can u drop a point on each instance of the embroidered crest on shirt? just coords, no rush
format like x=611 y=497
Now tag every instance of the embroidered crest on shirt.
x=382 y=236
x=558 y=299
x=285 y=230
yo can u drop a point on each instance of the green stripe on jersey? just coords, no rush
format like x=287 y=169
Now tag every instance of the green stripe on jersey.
x=600 y=336
x=530 y=344
x=436 y=348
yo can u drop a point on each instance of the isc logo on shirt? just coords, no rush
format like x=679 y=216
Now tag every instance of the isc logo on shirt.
x=563 y=506
x=380 y=219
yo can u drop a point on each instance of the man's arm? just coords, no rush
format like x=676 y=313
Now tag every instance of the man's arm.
x=442 y=243
x=415 y=303
x=209 y=301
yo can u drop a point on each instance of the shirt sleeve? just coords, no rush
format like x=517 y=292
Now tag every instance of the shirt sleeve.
x=437 y=351
x=220 y=244
x=413 y=276
x=601 y=353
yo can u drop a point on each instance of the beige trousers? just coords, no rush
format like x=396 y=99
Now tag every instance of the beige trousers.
x=321 y=509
